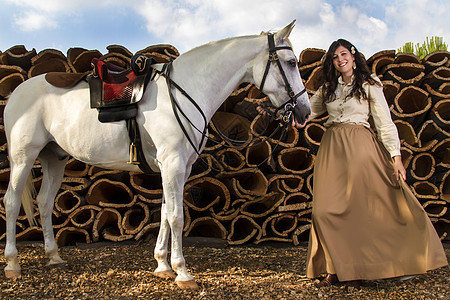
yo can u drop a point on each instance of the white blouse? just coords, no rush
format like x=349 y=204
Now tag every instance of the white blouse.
x=350 y=110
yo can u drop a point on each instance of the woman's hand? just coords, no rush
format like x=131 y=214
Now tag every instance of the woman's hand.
x=399 y=169
x=263 y=112
x=260 y=110
x=298 y=125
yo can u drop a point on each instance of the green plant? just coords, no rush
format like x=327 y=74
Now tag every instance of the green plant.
x=430 y=45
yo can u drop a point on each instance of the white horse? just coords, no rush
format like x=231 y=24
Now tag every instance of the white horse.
x=50 y=124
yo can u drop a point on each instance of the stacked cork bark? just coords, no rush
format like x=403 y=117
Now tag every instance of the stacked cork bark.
x=418 y=92
x=254 y=191
x=93 y=204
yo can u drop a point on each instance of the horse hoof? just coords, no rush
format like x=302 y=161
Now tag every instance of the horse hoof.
x=168 y=274
x=187 y=285
x=12 y=274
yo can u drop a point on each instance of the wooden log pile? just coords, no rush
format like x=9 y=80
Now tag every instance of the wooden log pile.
x=254 y=191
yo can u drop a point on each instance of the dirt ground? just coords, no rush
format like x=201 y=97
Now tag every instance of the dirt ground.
x=124 y=271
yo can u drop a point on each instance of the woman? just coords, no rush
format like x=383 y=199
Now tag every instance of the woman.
x=366 y=223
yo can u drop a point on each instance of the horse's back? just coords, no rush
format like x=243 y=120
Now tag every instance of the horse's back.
x=35 y=107
x=31 y=95
x=22 y=98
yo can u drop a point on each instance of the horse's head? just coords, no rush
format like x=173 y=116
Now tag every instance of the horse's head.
x=276 y=74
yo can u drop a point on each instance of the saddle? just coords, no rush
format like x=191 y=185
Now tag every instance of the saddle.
x=65 y=80
x=115 y=91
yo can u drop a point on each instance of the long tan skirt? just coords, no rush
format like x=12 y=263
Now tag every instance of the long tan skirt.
x=366 y=224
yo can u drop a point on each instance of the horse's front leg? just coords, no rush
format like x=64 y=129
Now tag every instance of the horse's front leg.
x=173 y=178
x=163 y=270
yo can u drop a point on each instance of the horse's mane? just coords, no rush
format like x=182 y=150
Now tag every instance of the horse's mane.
x=225 y=40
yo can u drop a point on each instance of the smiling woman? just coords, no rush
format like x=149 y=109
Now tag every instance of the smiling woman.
x=361 y=203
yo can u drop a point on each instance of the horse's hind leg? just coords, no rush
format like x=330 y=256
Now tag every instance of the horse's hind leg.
x=20 y=170
x=53 y=161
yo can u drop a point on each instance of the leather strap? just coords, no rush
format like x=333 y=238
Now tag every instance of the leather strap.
x=135 y=137
x=289 y=105
x=176 y=107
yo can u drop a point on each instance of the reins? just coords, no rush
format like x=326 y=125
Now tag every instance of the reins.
x=284 y=112
x=165 y=72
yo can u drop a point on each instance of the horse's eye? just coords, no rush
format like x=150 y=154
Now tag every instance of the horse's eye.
x=292 y=62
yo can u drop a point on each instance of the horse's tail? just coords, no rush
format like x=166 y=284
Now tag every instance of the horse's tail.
x=29 y=193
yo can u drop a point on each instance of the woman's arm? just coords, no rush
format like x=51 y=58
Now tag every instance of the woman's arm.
x=317 y=108
x=386 y=129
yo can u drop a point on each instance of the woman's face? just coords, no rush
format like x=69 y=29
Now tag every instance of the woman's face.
x=343 y=61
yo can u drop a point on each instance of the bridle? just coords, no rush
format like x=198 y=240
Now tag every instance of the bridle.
x=288 y=107
x=285 y=109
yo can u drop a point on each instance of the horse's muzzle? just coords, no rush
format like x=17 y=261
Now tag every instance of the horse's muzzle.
x=302 y=112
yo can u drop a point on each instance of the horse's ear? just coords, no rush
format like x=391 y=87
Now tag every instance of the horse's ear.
x=284 y=33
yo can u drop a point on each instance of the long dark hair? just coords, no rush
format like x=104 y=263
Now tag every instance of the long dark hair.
x=331 y=75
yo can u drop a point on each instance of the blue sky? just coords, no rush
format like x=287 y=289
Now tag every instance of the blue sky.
x=371 y=25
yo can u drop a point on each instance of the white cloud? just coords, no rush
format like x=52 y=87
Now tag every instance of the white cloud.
x=190 y=23
x=194 y=22
x=42 y=5
x=372 y=32
x=327 y=15
x=346 y=22
x=197 y=22
x=413 y=21
x=169 y=20
x=37 y=15
x=64 y=6
x=30 y=21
